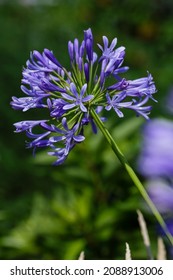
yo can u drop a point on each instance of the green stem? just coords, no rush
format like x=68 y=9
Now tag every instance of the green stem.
x=131 y=173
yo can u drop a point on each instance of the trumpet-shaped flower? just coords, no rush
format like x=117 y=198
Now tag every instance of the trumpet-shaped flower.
x=76 y=99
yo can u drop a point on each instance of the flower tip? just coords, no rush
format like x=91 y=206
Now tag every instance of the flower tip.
x=88 y=30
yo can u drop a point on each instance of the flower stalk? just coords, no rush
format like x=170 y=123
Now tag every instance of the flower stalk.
x=132 y=174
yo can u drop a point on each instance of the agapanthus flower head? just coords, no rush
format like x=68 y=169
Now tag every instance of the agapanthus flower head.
x=70 y=95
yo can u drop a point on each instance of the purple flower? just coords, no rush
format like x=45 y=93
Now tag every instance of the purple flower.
x=138 y=107
x=61 y=155
x=161 y=192
x=27 y=125
x=48 y=86
x=116 y=103
x=45 y=62
x=156 y=157
x=88 y=38
x=111 y=59
x=108 y=52
x=141 y=87
x=156 y=165
x=93 y=82
x=40 y=140
x=76 y=52
x=26 y=103
x=76 y=99
x=69 y=136
x=56 y=107
x=137 y=88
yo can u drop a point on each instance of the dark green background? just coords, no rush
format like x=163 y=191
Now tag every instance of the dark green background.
x=89 y=203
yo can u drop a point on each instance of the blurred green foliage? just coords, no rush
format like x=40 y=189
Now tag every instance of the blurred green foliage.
x=89 y=203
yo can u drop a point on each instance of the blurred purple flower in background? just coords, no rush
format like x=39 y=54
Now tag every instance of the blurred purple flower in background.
x=161 y=192
x=156 y=157
x=156 y=165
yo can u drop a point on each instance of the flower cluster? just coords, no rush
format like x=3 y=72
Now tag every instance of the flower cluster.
x=94 y=83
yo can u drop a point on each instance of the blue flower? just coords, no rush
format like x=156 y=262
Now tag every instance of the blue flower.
x=26 y=103
x=68 y=136
x=45 y=62
x=27 y=125
x=107 y=52
x=76 y=99
x=88 y=39
x=116 y=103
x=93 y=82
x=139 y=108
